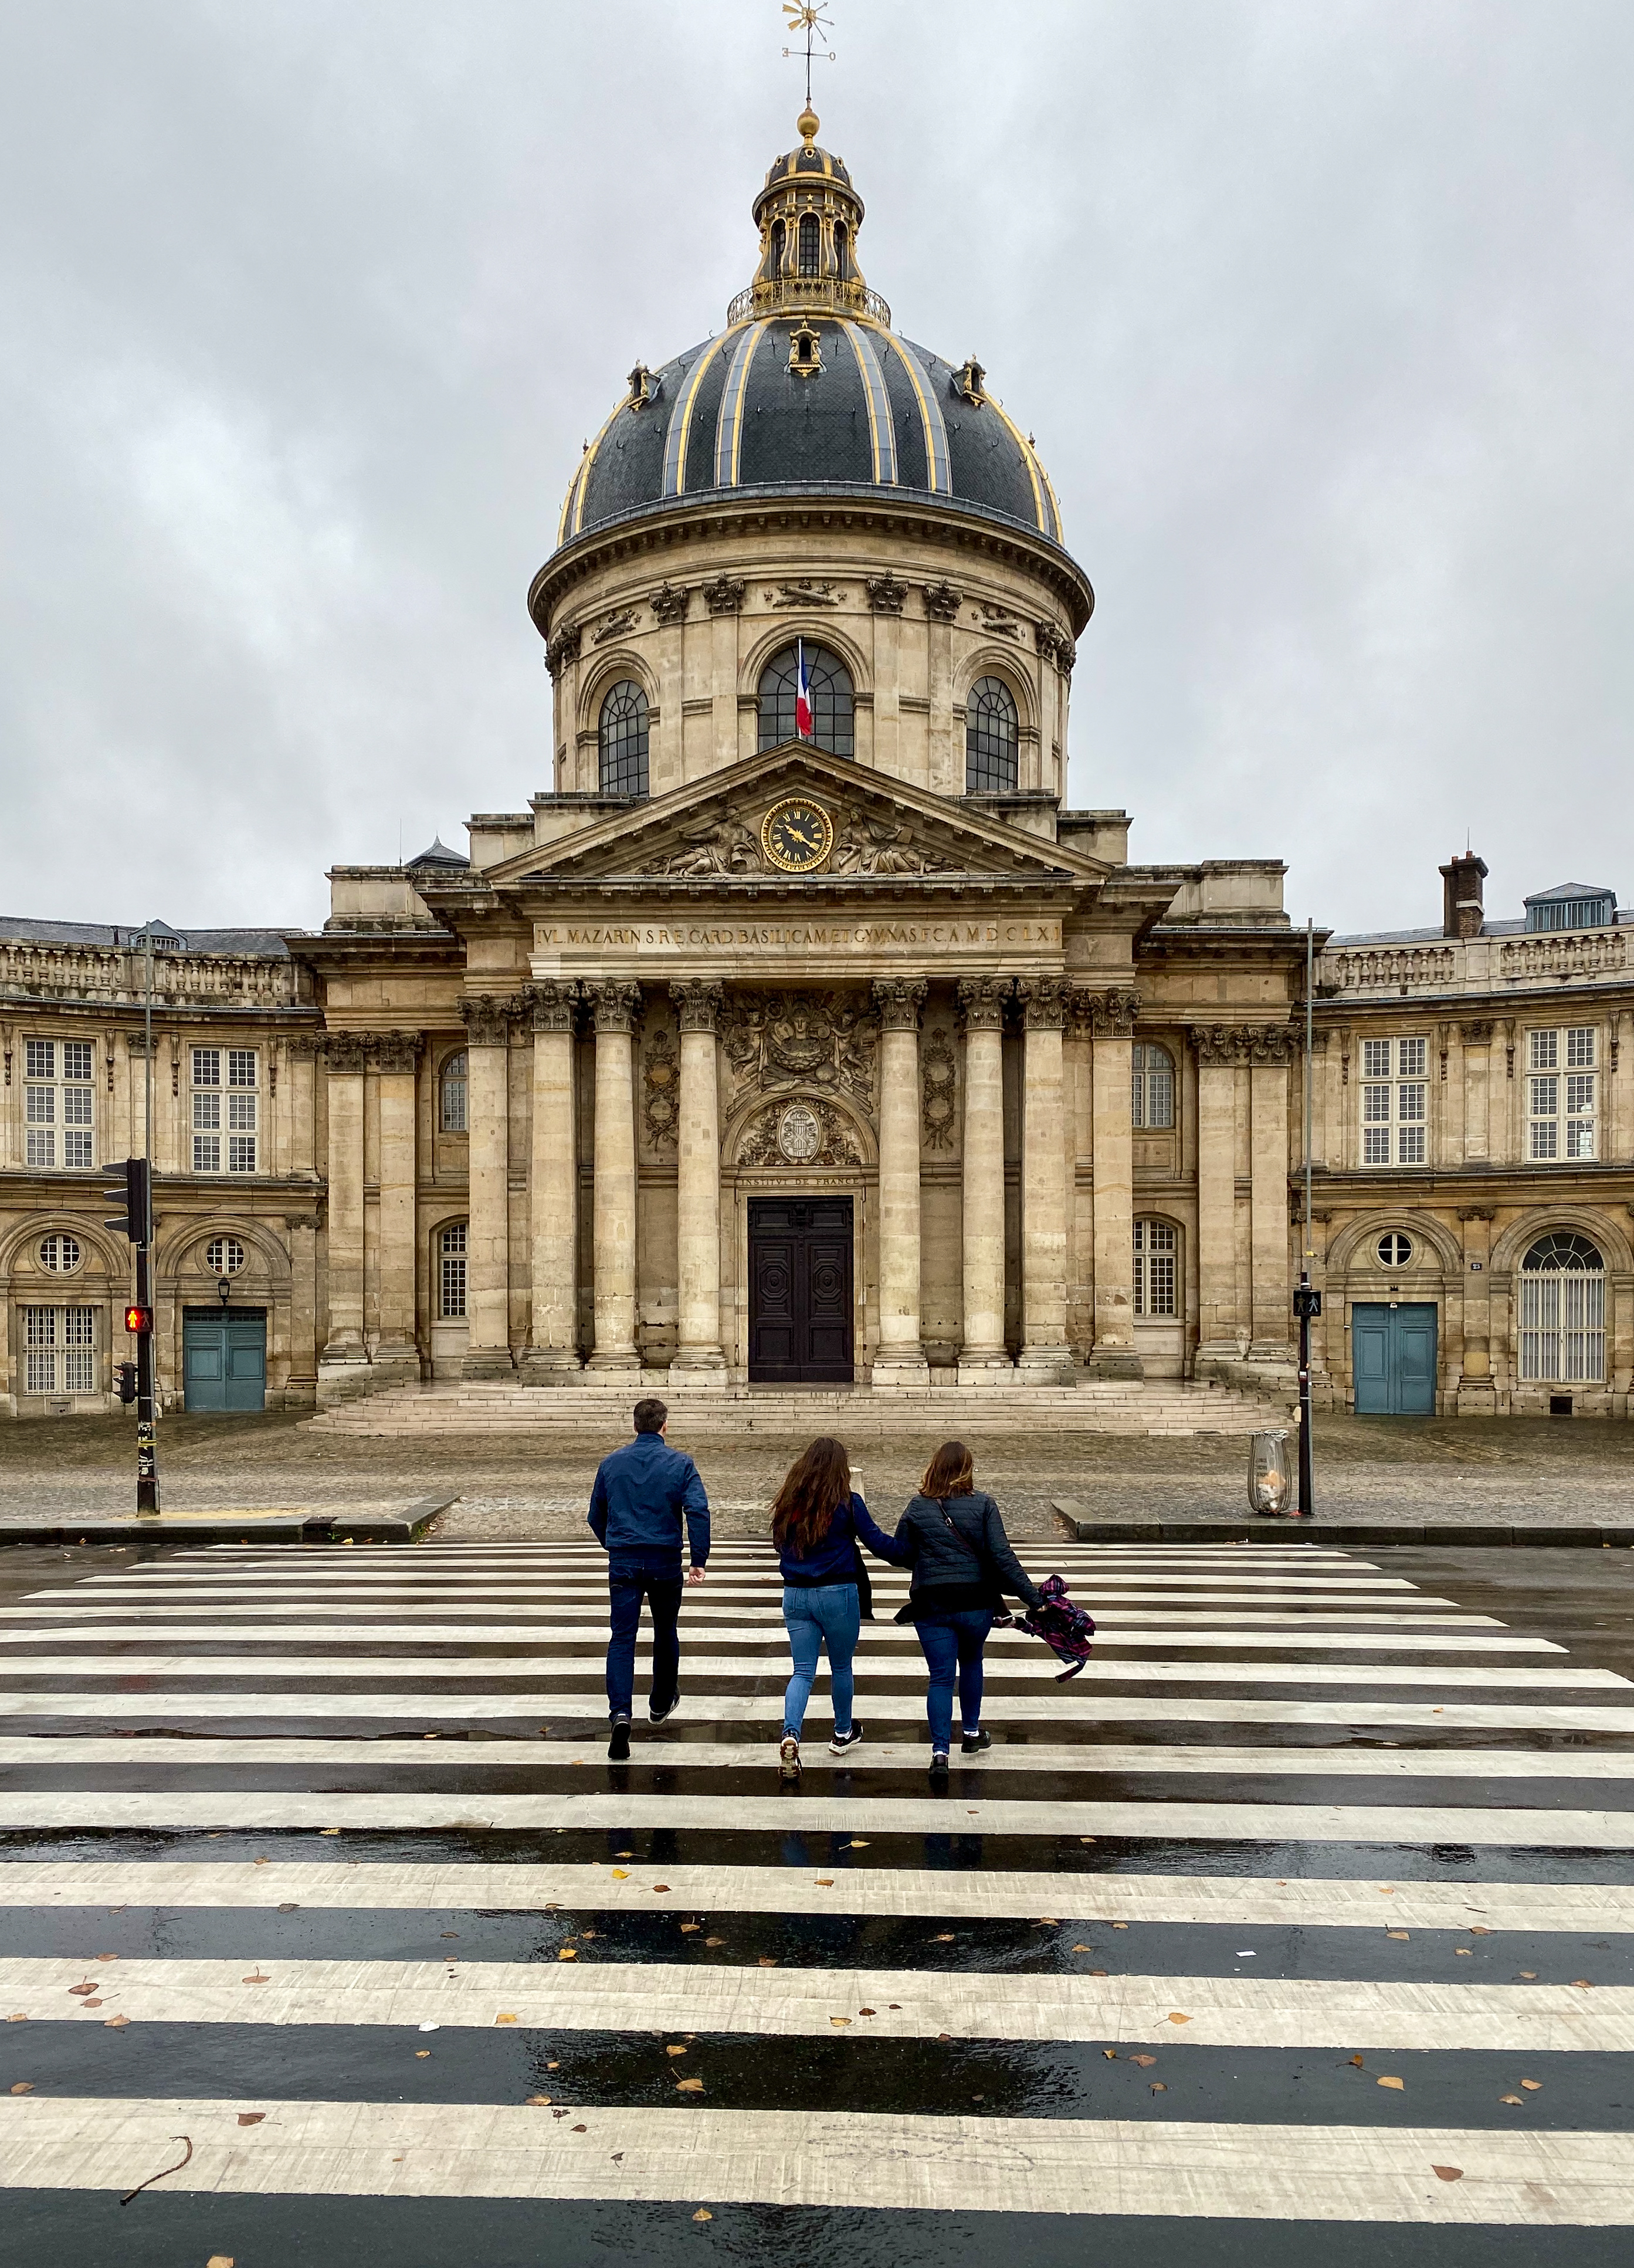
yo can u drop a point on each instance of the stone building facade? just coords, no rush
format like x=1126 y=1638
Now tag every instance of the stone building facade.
x=796 y=1033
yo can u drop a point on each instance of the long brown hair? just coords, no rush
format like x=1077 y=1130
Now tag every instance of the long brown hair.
x=951 y=1471
x=814 y=1487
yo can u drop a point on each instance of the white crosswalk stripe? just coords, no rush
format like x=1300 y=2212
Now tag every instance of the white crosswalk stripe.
x=1311 y=1900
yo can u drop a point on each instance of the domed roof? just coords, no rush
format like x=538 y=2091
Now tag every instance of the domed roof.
x=808 y=389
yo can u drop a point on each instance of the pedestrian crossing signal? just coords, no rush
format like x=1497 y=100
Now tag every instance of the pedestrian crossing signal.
x=137 y=1321
x=125 y=1381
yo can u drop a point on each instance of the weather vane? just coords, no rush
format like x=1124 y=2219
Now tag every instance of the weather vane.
x=812 y=18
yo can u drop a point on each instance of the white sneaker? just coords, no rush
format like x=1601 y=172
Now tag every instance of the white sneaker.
x=789 y=1759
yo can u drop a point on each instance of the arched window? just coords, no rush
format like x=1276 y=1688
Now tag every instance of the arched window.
x=843 y=249
x=990 y=739
x=808 y=244
x=830 y=686
x=1152 y=1085
x=450 y=1256
x=624 y=738
x=776 y=248
x=452 y=1117
x=1157 y=1251
x=1563 y=1310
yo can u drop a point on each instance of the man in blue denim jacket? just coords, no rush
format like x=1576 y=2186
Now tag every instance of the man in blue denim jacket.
x=641 y=1494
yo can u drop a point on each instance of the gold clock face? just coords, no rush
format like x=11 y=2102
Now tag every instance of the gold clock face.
x=797 y=834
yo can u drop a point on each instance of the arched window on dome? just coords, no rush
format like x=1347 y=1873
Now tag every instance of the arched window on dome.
x=1563 y=1310
x=842 y=250
x=810 y=247
x=990 y=733
x=830 y=683
x=622 y=733
x=778 y=237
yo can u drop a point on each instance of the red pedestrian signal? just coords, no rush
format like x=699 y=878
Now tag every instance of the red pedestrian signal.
x=138 y=1320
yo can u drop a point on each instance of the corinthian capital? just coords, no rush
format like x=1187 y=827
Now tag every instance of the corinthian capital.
x=346 y=1053
x=982 y=1003
x=553 y=1003
x=1108 y=1015
x=698 y=1003
x=614 y=1003
x=396 y=1053
x=899 y=1000
x=487 y=1018
x=1043 y=1001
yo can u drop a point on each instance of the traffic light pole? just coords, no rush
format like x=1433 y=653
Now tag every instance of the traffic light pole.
x=147 y=1444
x=1307 y=1301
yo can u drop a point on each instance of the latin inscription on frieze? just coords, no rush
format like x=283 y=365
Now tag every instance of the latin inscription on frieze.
x=735 y=937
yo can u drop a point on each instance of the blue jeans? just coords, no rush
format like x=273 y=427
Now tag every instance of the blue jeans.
x=828 y=1616
x=952 y=1643
x=627 y=1586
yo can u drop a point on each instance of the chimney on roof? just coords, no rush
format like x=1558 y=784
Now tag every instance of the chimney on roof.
x=1462 y=913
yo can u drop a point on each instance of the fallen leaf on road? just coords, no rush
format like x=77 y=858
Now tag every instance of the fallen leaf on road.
x=506 y=2018
x=291 y=1905
x=1532 y=2085
x=944 y=2035
x=1086 y=1838
x=18 y=2019
x=1111 y=2054
x=691 y=1928
x=420 y=2054
x=1158 y=2087
x=857 y=1844
x=675 y=2050
x=766 y=1961
x=578 y=2130
x=1403 y=1933
x=1083 y=1949
x=1357 y=2062
x=1120 y=1925
x=24 y=2086
x=115 y=2023
x=618 y=2157
x=1143 y=2060
x=839 y=2020
x=567 y=1953
x=825 y=1882
x=80 y=1991
x=256 y=1979
x=335 y=1830
x=225 y=2259
x=537 y=2102
x=660 y=1889
x=621 y=1873
x=1581 y=1985
x=1530 y=1975
x=1176 y=2017
x=1518 y=2100
x=93 y=2004
x=1479 y=1929
x=867 y=2012
x=1099 y=1973
x=714 y=1940
x=702 y=2214
x=1447 y=2173
x=251 y=2117
x=1399 y=2084
x=689 y=2087
x=107 y=1956
x=944 y=1938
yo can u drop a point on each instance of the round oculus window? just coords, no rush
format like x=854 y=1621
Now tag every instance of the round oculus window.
x=224 y=1256
x=1394 y=1249
x=60 y=1254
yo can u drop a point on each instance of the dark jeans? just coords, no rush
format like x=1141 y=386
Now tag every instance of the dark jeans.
x=953 y=1644
x=627 y=1586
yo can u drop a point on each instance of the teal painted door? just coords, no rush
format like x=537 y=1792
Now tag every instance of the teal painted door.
x=1393 y=1360
x=224 y=1358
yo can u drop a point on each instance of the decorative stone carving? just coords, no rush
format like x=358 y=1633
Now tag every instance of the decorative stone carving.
x=1476 y=1213
x=670 y=605
x=997 y=622
x=698 y=1003
x=887 y=593
x=614 y=1003
x=1240 y=1043
x=725 y=594
x=805 y=592
x=1109 y=1015
x=1043 y=1002
x=616 y=625
x=982 y=1003
x=1049 y=640
x=397 y=1053
x=553 y=1005
x=1478 y=1034
x=812 y=1039
x=782 y=1136
x=942 y=603
x=564 y=647
x=871 y=846
x=725 y=846
x=303 y=1046
x=487 y=1017
x=938 y=1079
x=346 y=1054
x=899 y=1000
x=660 y=1083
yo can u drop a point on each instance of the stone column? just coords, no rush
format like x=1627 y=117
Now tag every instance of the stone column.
x=899 y=1358
x=553 y=1356
x=1045 y=1357
x=1112 y=1021
x=301 y=1391
x=614 y=1003
x=345 y=1055
x=303 y=1113
x=1478 y=1395
x=1273 y=1049
x=488 y=1240
x=697 y=1177
x=397 y=1055
x=984 y=1356
x=1217 y=1048
x=1477 y=1069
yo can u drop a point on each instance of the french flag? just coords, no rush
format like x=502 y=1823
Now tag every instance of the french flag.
x=802 y=694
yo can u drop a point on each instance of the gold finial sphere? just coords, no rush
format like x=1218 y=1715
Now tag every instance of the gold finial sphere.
x=808 y=123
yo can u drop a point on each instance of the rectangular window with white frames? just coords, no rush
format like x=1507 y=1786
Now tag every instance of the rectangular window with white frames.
x=226 y=1110
x=59 y=1104
x=1562 y=1072
x=59 y=1349
x=1396 y=1102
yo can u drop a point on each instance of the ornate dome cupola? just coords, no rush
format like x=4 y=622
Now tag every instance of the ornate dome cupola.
x=808 y=215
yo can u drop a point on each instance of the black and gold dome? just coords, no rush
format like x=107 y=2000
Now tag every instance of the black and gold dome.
x=808 y=389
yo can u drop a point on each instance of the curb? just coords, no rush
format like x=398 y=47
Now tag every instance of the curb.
x=1368 y=1535
x=300 y=1528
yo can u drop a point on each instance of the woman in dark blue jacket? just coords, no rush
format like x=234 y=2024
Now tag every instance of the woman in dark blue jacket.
x=817 y=1524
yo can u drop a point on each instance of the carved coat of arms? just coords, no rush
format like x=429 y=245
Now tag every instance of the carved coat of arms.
x=824 y=1042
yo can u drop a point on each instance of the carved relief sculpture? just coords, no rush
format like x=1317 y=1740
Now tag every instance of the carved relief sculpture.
x=899 y=1001
x=660 y=1085
x=1109 y=1015
x=564 y=647
x=396 y=1053
x=871 y=846
x=346 y=1053
x=725 y=846
x=938 y=1077
x=616 y=625
x=983 y=1001
x=1043 y=1002
x=812 y=1039
x=942 y=603
x=782 y=1136
x=887 y=593
x=725 y=594
x=669 y=604
x=806 y=592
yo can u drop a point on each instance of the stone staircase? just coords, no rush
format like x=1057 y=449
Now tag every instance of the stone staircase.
x=876 y=1413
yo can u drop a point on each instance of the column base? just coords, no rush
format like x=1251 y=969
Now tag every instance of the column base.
x=1115 y=1362
x=985 y=1368
x=1046 y=1366
x=701 y=1370
x=1272 y=1351
x=1477 y=1397
x=615 y=1359
x=345 y=1348
x=489 y=1363
x=548 y=1366
x=904 y=1367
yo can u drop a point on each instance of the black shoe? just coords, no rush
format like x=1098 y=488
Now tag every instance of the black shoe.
x=618 y=1747
x=973 y=1744
x=657 y=1714
x=841 y=1741
x=939 y=1763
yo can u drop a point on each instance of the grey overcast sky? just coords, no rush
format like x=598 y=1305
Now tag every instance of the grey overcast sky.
x=1322 y=313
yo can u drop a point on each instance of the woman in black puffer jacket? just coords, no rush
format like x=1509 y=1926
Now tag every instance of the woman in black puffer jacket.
x=961 y=1561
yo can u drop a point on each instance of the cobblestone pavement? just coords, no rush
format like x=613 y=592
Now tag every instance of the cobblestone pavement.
x=1549 y=1471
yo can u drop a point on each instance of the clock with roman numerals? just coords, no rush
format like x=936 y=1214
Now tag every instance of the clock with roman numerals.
x=797 y=836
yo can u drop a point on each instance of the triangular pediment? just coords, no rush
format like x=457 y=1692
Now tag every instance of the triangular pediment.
x=882 y=827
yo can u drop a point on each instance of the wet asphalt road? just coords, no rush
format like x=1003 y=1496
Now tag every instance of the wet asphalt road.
x=1321 y=1879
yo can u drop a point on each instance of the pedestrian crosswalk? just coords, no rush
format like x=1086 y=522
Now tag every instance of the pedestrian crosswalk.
x=1307 y=1910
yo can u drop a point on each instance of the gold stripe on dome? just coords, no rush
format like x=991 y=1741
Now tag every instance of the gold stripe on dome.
x=576 y=495
x=938 y=463
x=881 y=430
x=729 y=423
x=680 y=423
x=1042 y=504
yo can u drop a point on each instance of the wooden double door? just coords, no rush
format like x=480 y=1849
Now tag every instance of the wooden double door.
x=800 y=1292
